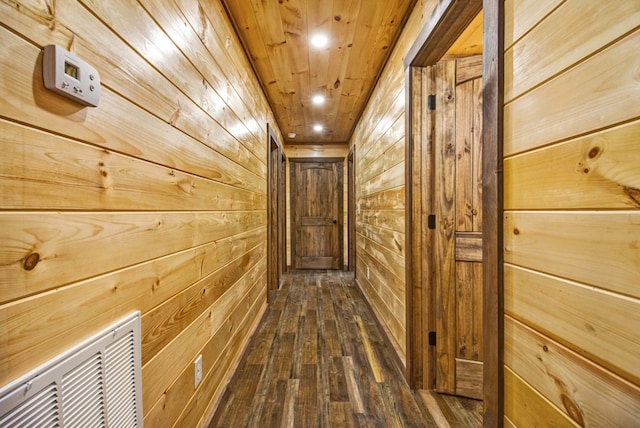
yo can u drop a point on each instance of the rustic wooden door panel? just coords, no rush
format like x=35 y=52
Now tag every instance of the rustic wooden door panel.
x=317 y=213
x=458 y=237
x=445 y=225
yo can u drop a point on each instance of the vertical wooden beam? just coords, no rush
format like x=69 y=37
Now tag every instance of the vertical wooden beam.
x=351 y=210
x=413 y=280
x=492 y=133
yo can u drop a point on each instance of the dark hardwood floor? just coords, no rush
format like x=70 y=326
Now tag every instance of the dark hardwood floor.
x=319 y=360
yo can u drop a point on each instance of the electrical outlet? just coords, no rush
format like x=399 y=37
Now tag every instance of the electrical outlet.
x=368 y=273
x=197 y=366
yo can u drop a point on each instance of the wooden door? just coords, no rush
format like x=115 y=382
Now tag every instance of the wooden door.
x=316 y=211
x=458 y=220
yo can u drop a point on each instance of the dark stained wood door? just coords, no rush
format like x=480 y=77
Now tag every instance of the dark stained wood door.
x=317 y=213
x=458 y=234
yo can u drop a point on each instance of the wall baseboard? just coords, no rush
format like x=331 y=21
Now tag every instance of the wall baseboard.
x=398 y=357
x=215 y=403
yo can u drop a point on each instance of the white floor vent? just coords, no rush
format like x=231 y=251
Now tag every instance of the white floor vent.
x=96 y=384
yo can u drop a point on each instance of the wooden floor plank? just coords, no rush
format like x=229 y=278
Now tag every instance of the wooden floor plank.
x=318 y=359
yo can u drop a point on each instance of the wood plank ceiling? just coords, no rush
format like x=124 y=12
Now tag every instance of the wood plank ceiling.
x=276 y=35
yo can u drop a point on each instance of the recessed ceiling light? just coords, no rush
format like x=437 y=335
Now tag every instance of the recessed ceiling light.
x=317 y=99
x=319 y=40
x=318 y=128
x=292 y=135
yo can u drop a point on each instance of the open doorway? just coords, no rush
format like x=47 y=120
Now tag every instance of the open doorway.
x=453 y=222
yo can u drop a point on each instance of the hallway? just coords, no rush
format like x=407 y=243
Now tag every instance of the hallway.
x=318 y=359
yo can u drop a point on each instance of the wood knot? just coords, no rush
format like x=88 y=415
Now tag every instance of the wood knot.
x=174 y=117
x=545 y=348
x=337 y=18
x=31 y=261
x=516 y=231
x=594 y=152
x=573 y=410
x=634 y=194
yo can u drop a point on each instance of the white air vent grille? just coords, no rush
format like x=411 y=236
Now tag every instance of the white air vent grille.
x=96 y=384
x=40 y=410
x=120 y=362
x=83 y=394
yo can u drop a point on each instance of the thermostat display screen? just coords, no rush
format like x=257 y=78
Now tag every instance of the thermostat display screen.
x=70 y=70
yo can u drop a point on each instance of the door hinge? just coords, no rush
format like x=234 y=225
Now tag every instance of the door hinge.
x=432 y=338
x=431 y=102
x=431 y=221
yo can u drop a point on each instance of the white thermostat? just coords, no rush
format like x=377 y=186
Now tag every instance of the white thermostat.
x=68 y=75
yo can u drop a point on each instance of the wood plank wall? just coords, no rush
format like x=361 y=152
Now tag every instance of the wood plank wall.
x=153 y=201
x=380 y=188
x=572 y=213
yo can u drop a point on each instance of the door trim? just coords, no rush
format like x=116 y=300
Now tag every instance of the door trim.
x=275 y=208
x=351 y=210
x=282 y=214
x=492 y=191
x=447 y=22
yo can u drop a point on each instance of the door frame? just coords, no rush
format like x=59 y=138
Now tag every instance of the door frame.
x=282 y=215
x=446 y=23
x=351 y=210
x=276 y=239
x=340 y=218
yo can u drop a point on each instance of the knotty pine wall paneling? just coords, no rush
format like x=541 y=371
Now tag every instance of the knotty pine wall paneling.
x=572 y=213
x=153 y=201
x=380 y=188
